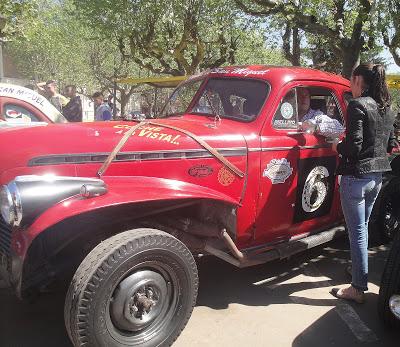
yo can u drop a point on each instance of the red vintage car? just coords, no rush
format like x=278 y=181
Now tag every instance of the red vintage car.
x=23 y=106
x=124 y=207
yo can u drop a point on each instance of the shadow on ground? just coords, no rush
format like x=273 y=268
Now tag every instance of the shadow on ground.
x=41 y=323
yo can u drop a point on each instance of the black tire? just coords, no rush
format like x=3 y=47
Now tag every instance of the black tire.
x=385 y=219
x=137 y=288
x=390 y=284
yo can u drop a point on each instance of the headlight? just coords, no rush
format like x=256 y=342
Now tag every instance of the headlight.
x=10 y=204
x=26 y=197
x=394 y=304
x=6 y=205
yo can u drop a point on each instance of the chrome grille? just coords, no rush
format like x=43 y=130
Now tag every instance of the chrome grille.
x=5 y=237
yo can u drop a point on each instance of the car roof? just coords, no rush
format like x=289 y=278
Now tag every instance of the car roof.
x=279 y=74
x=31 y=97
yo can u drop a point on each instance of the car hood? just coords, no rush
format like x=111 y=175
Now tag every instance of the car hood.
x=53 y=142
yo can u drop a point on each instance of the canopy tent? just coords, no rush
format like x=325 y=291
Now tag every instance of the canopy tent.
x=393 y=81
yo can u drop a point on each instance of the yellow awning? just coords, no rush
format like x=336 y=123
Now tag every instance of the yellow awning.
x=393 y=81
x=172 y=81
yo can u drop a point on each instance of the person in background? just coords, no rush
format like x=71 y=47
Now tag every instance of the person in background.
x=102 y=109
x=363 y=156
x=110 y=102
x=73 y=110
x=50 y=91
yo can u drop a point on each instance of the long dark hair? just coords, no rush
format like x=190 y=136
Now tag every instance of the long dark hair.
x=375 y=82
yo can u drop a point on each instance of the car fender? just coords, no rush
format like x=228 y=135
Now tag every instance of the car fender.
x=121 y=191
x=395 y=163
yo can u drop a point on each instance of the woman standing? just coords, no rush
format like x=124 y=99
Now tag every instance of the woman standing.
x=363 y=158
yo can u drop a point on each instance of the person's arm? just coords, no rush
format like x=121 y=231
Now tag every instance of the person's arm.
x=107 y=114
x=79 y=110
x=63 y=100
x=392 y=141
x=351 y=145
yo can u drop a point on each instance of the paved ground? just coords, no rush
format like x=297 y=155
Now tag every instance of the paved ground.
x=278 y=304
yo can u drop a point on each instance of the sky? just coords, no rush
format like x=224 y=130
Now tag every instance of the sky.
x=392 y=67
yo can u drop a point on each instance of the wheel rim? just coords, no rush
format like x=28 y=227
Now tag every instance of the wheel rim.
x=138 y=300
x=142 y=303
x=391 y=216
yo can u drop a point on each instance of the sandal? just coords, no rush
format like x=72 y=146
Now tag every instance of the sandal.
x=349 y=293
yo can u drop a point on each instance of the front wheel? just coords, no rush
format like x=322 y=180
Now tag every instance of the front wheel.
x=137 y=288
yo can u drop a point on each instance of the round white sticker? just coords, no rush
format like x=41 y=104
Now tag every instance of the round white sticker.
x=287 y=110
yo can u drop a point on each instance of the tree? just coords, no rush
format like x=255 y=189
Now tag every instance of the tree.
x=389 y=21
x=107 y=65
x=347 y=27
x=16 y=15
x=54 y=47
x=170 y=36
x=58 y=46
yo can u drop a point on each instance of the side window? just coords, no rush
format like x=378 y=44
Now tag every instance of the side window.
x=314 y=101
x=18 y=114
x=286 y=114
x=304 y=103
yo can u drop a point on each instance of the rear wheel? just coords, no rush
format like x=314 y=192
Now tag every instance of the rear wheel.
x=390 y=285
x=137 y=288
x=387 y=221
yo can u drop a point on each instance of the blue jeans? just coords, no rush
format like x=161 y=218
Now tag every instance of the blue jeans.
x=357 y=195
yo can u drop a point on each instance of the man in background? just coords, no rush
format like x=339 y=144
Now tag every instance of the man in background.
x=73 y=109
x=49 y=90
x=102 y=110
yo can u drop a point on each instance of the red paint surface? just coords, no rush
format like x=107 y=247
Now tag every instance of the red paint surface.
x=265 y=211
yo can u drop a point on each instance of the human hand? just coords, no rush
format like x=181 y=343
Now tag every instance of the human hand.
x=335 y=143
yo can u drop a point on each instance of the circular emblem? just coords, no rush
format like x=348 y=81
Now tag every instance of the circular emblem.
x=13 y=114
x=287 y=110
x=225 y=177
x=315 y=189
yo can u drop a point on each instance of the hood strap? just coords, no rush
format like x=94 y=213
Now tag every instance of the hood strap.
x=117 y=148
x=200 y=141
x=206 y=146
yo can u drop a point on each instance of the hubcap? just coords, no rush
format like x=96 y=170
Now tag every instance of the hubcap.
x=391 y=217
x=138 y=300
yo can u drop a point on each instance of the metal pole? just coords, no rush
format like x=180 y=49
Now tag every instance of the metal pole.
x=114 y=111
x=1 y=61
x=2 y=26
x=115 y=99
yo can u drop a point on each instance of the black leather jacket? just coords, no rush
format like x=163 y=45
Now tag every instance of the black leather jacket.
x=369 y=137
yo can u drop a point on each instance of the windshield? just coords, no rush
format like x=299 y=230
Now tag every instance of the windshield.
x=180 y=99
x=236 y=98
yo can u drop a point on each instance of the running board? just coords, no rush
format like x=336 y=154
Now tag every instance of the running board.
x=279 y=251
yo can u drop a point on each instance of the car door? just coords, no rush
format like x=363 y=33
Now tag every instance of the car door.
x=298 y=188
x=19 y=111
